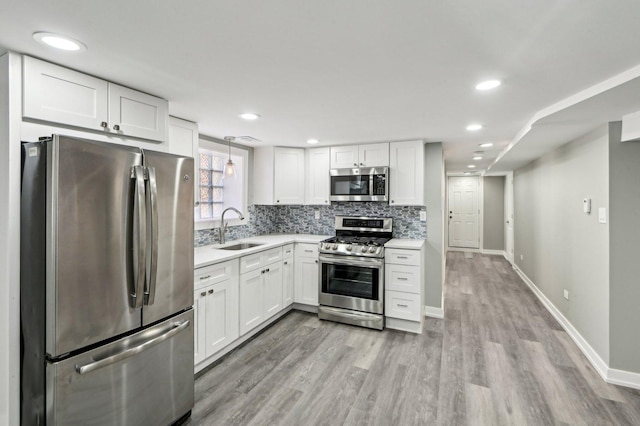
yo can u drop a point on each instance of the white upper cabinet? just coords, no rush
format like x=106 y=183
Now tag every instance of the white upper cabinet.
x=406 y=173
x=317 y=192
x=132 y=113
x=183 y=137
x=278 y=176
x=371 y=155
x=60 y=95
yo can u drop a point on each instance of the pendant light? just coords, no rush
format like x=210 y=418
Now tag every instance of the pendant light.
x=229 y=168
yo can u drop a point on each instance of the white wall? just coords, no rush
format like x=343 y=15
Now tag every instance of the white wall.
x=562 y=247
x=434 y=198
x=10 y=108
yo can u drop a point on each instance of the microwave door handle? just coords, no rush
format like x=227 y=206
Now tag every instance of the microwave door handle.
x=136 y=296
x=152 y=272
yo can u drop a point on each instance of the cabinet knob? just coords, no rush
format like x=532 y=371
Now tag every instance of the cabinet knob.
x=104 y=124
x=316 y=261
x=277 y=201
x=325 y=201
x=267 y=270
x=116 y=127
x=204 y=293
x=210 y=291
x=393 y=201
x=355 y=164
x=362 y=164
x=284 y=263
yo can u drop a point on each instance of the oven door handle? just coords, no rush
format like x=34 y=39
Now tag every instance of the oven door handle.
x=346 y=260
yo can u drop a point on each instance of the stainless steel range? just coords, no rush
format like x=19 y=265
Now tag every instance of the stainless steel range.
x=352 y=271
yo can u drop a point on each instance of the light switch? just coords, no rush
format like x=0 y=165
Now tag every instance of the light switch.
x=602 y=215
x=586 y=205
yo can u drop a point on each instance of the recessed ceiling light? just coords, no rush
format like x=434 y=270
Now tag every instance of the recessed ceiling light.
x=474 y=127
x=488 y=85
x=59 y=42
x=477 y=157
x=313 y=141
x=485 y=145
x=471 y=166
x=249 y=116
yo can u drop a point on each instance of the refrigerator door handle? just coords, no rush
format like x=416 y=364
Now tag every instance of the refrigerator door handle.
x=139 y=238
x=88 y=368
x=152 y=263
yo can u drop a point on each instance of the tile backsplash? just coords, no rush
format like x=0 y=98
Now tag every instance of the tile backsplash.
x=300 y=219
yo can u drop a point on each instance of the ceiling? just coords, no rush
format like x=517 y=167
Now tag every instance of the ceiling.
x=352 y=71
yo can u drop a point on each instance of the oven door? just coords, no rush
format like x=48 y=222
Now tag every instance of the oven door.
x=352 y=282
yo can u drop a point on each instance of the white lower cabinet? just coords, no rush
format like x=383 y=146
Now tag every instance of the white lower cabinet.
x=261 y=290
x=306 y=274
x=215 y=308
x=287 y=275
x=404 y=278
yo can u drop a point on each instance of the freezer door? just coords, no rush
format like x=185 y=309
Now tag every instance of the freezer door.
x=89 y=243
x=169 y=287
x=144 y=379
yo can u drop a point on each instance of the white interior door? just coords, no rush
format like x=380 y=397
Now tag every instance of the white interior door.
x=508 y=201
x=463 y=212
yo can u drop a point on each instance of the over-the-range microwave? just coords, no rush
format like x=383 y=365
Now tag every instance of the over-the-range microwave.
x=359 y=184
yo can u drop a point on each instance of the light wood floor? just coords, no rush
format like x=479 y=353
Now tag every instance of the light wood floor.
x=497 y=358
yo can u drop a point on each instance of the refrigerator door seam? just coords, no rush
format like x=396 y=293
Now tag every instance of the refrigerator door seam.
x=152 y=263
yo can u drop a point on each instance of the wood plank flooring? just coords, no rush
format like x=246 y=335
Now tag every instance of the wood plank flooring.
x=497 y=358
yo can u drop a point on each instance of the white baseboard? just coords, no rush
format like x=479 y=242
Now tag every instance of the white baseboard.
x=471 y=250
x=498 y=252
x=610 y=375
x=430 y=311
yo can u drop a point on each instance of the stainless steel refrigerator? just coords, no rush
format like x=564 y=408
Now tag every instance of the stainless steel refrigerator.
x=106 y=284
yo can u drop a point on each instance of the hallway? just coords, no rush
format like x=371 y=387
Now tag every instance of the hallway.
x=498 y=357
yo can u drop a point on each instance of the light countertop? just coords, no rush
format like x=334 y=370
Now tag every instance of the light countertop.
x=404 y=243
x=209 y=255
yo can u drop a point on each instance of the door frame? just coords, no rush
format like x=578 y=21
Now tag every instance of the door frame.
x=480 y=213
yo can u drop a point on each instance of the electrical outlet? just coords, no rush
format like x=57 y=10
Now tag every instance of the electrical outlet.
x=316 y=214
x=522 y=257
x=423 y=216
x=566 y=294
x=602 y=215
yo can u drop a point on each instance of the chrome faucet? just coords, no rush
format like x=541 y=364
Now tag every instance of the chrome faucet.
x=223 y=226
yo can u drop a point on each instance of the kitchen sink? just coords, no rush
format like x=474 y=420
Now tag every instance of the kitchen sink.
x=240 y=246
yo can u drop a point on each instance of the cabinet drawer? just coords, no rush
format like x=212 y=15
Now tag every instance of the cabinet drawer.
x=250 y=262
x=272 y=255
x=402 y=257
x=403 y=278
x=215 y=273
x=307 y=250
x=402 y=305
x=287 y=251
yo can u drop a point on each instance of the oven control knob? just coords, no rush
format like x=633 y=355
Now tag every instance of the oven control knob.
x=364 y=249
x=335 y=247
x=372 y=250
x=349 y=247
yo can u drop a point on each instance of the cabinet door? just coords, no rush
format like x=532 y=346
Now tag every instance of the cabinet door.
x=306 y=281
x=183 y=137
x=60 y=95
x=406 y=173
x=200 y=322
x=344 y=156
x=287 y=282
x=288 y=176
x=373 y=155
x=251 y=305
x=272 y=290
x=222 y=315
x=318 y=165
x=132 y=113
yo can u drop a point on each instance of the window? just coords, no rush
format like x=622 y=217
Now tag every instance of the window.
x=216 y=192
